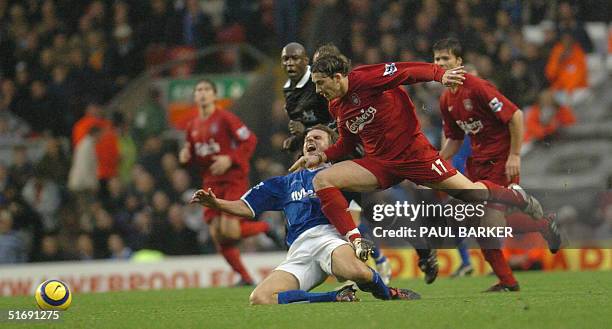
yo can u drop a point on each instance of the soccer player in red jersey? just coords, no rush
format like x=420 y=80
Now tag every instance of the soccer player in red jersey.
x=495 y=126
x=220 y=146
x=371 y=107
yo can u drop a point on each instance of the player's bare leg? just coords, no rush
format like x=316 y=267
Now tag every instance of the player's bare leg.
x=282 y=287
x=466 y=190
x=346 y=266
x=346 y=175
x=267 y=291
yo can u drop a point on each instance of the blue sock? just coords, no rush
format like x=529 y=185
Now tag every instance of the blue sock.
x=296 y=296
x=465 y=256
x=376 y=287
x=376 y=253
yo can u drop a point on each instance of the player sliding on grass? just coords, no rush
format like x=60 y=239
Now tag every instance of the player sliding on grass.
x=371 y=107
x=316 y=249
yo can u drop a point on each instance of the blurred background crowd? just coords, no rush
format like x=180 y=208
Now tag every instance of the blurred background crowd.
x=108 y=184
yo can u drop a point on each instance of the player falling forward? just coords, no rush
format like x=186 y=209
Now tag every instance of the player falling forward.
x=495 y=126
x=220 y=145
x=370 y=107
x=306 y=109
x=316 y=249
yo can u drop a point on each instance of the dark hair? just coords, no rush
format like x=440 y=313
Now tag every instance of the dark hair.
x=206 y=80
x=451 y=44
x=333 y=135
x=326 y=49
x=332 y=64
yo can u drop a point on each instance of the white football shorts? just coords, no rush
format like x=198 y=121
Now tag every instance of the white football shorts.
x=309 y=257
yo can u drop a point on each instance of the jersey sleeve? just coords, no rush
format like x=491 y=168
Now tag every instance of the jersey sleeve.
x=495 y=101
x=450 y=127
x=385 y=76
x=344 y=146
x=244 y=137
x=266 y=196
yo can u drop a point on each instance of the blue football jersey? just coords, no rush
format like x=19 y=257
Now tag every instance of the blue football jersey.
x=294 y=195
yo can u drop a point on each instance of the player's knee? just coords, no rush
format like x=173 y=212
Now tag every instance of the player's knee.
x=260 y=298
x=322 y=180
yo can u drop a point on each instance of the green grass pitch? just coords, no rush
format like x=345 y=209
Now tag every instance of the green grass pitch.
x=547 y=300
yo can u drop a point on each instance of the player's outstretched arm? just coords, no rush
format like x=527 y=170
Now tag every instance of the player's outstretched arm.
x=208 y=199
x=308 y=161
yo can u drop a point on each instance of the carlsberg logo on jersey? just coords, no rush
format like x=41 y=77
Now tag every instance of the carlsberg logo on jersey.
x=204 y=149
x=356 y=124
x=472 y=127
x=299 y=195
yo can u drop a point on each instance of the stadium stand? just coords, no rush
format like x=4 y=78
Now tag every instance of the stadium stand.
x=60 y=58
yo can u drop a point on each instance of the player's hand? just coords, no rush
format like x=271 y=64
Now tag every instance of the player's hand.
x=220 y=165
x=363 y=248
x=205 y=198
x=185 y=153
x=308 y=161
x=288 y=143
x=296 y=127
x=453 y=77
x=513 y=166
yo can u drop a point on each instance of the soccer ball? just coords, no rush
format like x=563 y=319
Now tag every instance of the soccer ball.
x=53 y=295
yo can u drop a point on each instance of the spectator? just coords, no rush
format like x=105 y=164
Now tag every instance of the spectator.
x=50 y=251
x=81 y=178
x=123 y=60
x=154 y=28
x=93 y=117
x=190 y=26
x=117 y=248
x=178 y=239
x=103 y=228
x=85 y=247
x=566 y=69
x=12 y=246
x=54 y=161
x=21 y=170
x=545 y=118
x=43 y=195
x=150 y=119
x=107 y=153
x=566 y=21
x=127 y=147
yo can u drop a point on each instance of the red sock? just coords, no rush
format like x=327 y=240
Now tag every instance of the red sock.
x=334 y=206
x=249 y=228
x=500 y=266
x=498 y=193
x=231 y=253
x=522 y=223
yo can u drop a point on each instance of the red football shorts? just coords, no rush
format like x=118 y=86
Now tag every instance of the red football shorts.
x=231 y=190
x=491 y=170
x=423 y=164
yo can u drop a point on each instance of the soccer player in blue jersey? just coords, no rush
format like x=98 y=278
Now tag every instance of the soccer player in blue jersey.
x=316 y=249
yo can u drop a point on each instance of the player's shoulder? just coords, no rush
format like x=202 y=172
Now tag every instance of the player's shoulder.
x=474 y=82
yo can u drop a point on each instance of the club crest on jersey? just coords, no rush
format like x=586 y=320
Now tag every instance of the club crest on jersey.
x=356 y=124
x=496 y=105
x=355 y=99
x=389 y=69
x=467 y=104
x=471 y=127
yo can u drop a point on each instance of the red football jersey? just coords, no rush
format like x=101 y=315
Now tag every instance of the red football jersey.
x=221 y=133
x=479 y=109
x=377 y=111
